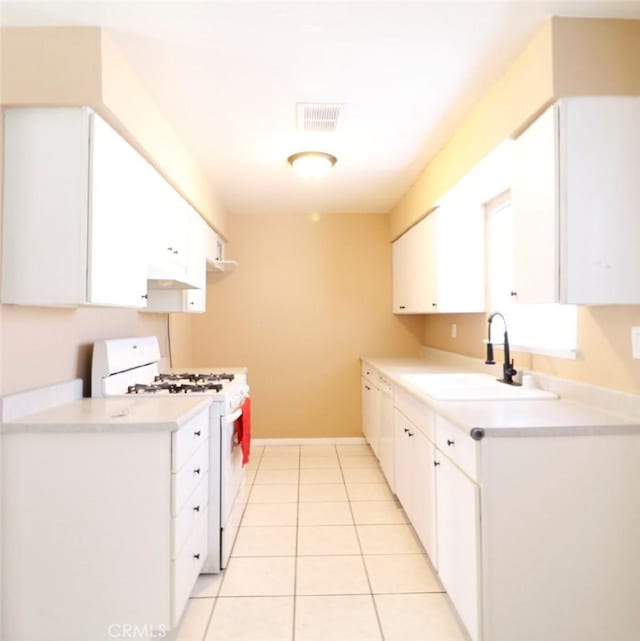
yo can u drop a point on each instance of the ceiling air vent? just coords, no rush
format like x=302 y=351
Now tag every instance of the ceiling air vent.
x=318 y=116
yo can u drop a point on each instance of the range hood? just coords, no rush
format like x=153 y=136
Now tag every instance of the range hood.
x=168 y=277
x=221 y=265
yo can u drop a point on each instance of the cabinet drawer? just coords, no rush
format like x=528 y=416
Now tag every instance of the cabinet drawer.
x=193 y=512
x=417 y=412
x=189 y=476
x=458 y=446
x=188 y=439
x=186 y=568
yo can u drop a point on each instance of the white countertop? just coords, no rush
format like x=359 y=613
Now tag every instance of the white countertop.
x=507 y=418
x=122 y=414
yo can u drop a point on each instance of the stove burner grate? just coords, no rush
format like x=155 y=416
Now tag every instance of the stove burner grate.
x=195 y=378
x=174 y=388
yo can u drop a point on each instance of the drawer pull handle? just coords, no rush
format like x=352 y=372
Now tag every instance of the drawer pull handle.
x=196 y=508
x=367 y=387
x=450 y=442
x=196 y=470
x=436 y=463
x=197 y=433
x=196 y=556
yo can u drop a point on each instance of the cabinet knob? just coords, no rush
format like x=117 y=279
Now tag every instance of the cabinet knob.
x=436 y=463
x=367 y=387
x=196 y=470
x=196 y=556
x=190 y=302
x=410 y=433
x=145 y=296
x=512 y=293
x=403 y=307
x=406 y=429
x=450 y=442
x=197 y=433
x=434 y=304
x=196 y=508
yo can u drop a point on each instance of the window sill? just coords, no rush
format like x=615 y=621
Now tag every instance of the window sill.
x=569 y=354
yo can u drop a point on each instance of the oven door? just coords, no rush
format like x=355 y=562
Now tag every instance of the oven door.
x=231 y=482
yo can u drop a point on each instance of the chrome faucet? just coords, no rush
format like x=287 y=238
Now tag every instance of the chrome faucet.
x=508 y=370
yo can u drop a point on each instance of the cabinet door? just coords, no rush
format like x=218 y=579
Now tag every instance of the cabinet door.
x=599 y=196
x=386 y=440
x=460 y=258
x=403 y=459
x=165 y=212
x=197 y=263
x=371 y=414
x=44 y=226
x=423 y=500
x=117 y=261
x=458 y=529
x=414 y=265
x=401 y=267
x=534 y=196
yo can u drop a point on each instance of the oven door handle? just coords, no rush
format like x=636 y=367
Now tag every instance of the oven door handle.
x=232 y=418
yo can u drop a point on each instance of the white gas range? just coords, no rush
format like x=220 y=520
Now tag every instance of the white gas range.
x=131 y=366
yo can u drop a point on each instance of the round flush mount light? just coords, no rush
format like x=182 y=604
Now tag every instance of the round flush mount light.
x=312 y=164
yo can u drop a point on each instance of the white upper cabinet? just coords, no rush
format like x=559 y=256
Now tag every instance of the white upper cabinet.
x=167 y=216
x=438 y=265
x=575 y=196
x=71 y=224
x=413 y=257
x=187 y=300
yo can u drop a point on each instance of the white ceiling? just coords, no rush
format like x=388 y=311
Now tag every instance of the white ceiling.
x=228 y=75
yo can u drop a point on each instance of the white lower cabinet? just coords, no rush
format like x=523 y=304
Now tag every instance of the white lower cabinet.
x=415 y=480
x=370 y=412
x=423 y=503
x=458 y=527
x=102 y=530
x=386 y=437
x=534 y=538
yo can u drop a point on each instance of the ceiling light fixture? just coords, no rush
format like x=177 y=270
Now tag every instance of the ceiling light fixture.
x=312 y=164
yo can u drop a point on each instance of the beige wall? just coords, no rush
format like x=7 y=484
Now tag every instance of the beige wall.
x=308 y=299
x=72 y=66
x=46 y=345
x=516 y=98
x=567 y=57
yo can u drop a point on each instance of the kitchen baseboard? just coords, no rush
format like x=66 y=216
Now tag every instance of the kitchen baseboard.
x=346 y=440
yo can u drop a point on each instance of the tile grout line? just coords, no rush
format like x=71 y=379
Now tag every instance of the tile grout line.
x=366 y=571
x=295 y=556
x=217 y=597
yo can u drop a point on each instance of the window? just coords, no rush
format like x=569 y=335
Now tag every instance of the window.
x=540 y=328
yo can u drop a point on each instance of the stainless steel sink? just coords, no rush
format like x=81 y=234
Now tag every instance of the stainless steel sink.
x=472 y=387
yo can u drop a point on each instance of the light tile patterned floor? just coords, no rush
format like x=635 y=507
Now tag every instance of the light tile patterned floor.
x=324 y=553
